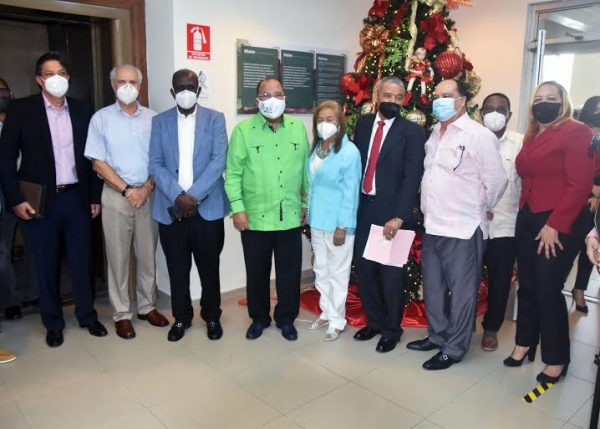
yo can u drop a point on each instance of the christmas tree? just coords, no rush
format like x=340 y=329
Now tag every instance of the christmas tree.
x=417 y=41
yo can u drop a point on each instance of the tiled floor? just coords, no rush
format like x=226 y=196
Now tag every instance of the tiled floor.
x=149 y=383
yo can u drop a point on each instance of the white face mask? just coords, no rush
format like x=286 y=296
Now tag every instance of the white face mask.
x=272 y=108
x=186 y=99
x=127 y=94
x=56 y=85
x=326 y=130
x=494 y=121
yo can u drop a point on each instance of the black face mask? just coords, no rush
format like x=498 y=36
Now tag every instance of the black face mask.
x=545 y=112
x=4 y=104
x=389 y=110
x=594 y=120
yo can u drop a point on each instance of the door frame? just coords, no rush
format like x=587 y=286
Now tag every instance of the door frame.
x=128 y=26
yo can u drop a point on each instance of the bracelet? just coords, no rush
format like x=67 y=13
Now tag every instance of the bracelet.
x=343 y=228
x=399 y=220
x=127 y=188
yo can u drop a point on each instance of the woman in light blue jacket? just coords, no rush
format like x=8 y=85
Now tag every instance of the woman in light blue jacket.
x=334 y=172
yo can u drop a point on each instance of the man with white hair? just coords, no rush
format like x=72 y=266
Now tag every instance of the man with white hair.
x=118 y=145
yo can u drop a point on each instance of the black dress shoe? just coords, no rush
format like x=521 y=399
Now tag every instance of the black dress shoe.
x=177 y=331
x=423 y=345
x=288 y=331
x=214 y=330
x=439 y=361
x=545 y=378
x=54 y=338
x=365 y=334
x=386 y=344
x=13 y=313
x=96 y=329
x=254 y=331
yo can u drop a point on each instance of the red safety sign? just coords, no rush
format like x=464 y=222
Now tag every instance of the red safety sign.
x=198 y=42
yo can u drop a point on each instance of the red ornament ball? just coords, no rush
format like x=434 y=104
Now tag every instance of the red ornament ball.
x=448 y=64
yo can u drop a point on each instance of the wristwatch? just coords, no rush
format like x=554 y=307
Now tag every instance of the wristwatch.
x=127 y=188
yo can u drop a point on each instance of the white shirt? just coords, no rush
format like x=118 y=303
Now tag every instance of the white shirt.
x=386 y=128
x=186 y=128
x=463 y=179
x=315 y=163
x=505 y=212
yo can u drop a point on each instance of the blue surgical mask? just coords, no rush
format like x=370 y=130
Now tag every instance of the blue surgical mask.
x=443 y=108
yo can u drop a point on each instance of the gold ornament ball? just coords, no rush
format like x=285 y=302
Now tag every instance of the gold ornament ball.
x=417 y=117
x=367 y=108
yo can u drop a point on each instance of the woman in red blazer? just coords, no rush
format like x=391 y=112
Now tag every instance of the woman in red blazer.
x=557 y=173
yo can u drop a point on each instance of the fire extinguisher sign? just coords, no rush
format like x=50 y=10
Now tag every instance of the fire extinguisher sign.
x=198 y=42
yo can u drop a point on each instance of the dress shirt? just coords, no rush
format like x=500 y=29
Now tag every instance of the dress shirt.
x=386 y=128
x=186 y=128
x=505 y=213
x=61 y=132
x=266 y=170
x=122 y=141
x=463 y=179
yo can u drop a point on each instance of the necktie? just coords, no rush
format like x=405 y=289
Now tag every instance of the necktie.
x=373 y=156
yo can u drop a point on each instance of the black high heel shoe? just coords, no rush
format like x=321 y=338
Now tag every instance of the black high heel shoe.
x=545 y=378
x=512 y=362
x=581 y=308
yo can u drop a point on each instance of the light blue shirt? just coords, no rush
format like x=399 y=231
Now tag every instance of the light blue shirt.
x=122 y=141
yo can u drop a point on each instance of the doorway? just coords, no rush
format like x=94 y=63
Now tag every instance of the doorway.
x=564 y=46
x=94 y=35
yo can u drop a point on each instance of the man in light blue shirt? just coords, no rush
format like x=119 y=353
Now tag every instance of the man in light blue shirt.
x=118 y=145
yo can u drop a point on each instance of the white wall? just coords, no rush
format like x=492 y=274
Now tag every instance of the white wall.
x=492 y=35
x=333 y=24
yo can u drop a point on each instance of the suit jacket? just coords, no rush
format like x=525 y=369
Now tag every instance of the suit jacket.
x=557 y=173
x=398 y=172
x=210 y=154
x=26 y=130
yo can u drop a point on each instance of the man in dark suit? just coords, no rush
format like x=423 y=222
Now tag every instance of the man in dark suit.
x=392 y=150
x=188 y=149
x=50 y=131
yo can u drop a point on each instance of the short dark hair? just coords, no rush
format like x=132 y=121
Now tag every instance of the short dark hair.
x=260 y=82
x=50 y=56
x=2 y=80
x=462 y=87
x=588 y=109
x=497 y=94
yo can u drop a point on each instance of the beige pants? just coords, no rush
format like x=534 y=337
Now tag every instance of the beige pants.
x=121 y=223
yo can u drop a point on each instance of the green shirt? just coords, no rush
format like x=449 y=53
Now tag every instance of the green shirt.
x=266 y=171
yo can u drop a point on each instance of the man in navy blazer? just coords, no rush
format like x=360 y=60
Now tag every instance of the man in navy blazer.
x=188 y=149
x=49 y=130
x=392 y=150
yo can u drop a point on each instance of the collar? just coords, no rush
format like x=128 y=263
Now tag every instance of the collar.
x=137 y=112
x=190 y=116
x=50 y=106
x=263 y=123
x=462 y=123
x=388 y=122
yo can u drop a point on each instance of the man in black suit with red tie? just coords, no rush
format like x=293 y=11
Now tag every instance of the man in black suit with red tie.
x=392 y=150
x=49 y=130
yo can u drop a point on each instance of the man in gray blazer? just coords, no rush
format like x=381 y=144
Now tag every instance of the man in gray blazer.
x=188 y=149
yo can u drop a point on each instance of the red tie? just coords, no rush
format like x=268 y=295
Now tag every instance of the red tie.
x=373 y=156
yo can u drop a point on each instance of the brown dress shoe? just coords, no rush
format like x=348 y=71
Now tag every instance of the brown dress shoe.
x=125 y=329
x=489 y=341
x=155 y=318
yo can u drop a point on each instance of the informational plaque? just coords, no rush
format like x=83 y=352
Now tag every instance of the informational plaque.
x=254 y=64
x=297 y=78
x=330 y=69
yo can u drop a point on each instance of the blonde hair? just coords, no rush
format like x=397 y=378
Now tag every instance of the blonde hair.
x=339 y=116
x=567 y=109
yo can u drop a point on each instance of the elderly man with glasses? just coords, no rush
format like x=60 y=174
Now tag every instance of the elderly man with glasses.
x=265 y=177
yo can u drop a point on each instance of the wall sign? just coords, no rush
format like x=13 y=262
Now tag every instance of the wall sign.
x=198 y=42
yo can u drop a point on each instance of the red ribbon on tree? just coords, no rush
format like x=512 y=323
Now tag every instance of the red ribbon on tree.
x=435 y=30
x=356 y=86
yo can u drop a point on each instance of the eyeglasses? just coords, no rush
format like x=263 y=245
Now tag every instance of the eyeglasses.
x=264 y=96
x=130 y=82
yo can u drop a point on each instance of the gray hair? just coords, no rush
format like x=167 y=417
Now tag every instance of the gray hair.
x=113 y=72
x=390 y=79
